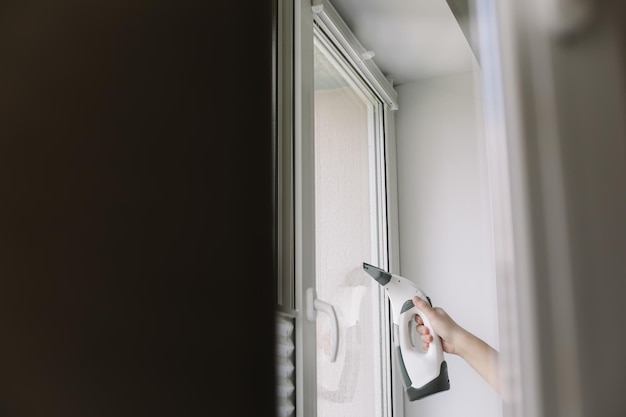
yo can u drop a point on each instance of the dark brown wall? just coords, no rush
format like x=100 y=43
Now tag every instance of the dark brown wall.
x=135 y=208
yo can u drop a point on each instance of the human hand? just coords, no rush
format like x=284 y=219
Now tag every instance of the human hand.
x=455 y=339
x=447 y=329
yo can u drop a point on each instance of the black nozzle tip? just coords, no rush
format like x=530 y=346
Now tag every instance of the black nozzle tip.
x=378 y=274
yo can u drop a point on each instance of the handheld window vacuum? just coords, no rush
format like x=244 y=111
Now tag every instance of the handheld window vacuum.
x=423 y=372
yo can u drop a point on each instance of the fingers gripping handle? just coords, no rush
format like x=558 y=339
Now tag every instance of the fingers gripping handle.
x=407 y=322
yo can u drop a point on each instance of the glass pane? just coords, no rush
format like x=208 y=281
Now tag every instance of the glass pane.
x=345 y=238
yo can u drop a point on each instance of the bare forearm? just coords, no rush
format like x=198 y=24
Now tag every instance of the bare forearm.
x=482 y=357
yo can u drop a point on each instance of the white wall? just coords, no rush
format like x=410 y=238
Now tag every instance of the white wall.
x=445 y=230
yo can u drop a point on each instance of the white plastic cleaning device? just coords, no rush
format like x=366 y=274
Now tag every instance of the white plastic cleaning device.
x=424 y=372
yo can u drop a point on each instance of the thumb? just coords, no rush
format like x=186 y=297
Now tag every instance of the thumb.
x=422 y=305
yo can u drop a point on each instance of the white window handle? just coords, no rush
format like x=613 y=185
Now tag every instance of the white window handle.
x=315 y=304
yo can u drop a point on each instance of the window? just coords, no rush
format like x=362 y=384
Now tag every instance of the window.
x=335 y=204
x=349 y=230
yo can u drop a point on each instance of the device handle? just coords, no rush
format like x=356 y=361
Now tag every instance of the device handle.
x=414 y=356
x=407 y=321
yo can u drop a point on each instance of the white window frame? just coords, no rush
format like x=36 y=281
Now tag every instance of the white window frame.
x=335 y=54
x=296 y=226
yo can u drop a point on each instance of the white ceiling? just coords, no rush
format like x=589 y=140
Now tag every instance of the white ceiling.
x=412 y=39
